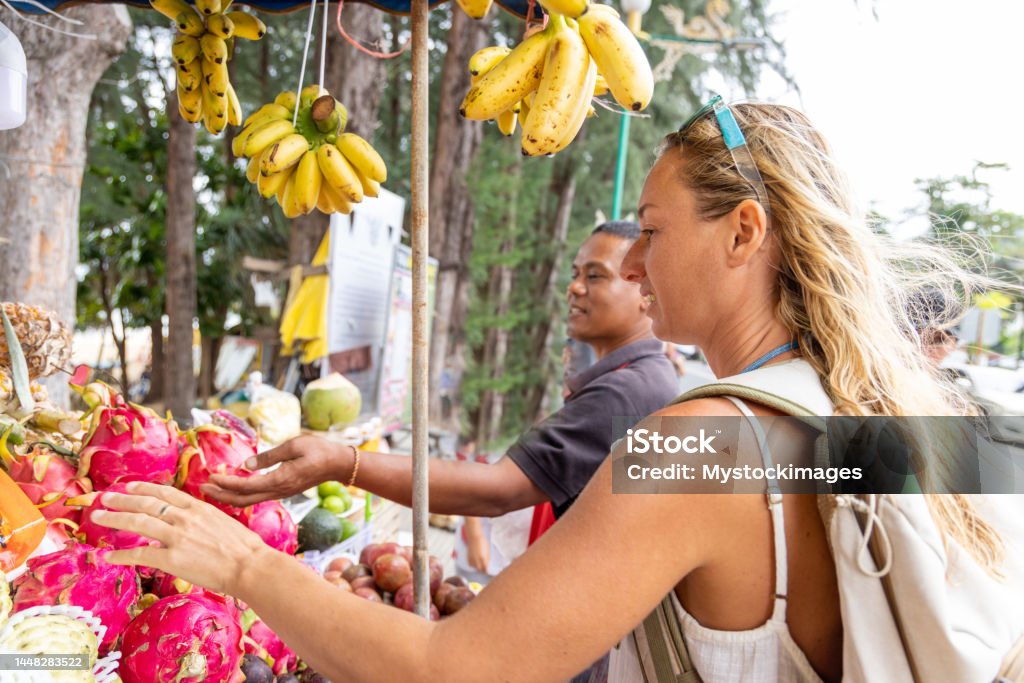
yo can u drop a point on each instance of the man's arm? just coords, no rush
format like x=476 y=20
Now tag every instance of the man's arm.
x=456 y=488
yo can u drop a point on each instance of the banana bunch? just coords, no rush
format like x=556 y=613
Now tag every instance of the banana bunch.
x=205 y=43
x=547 y=82
x=313 y=164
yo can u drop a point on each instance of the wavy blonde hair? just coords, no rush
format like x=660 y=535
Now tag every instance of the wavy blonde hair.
x=845 y=292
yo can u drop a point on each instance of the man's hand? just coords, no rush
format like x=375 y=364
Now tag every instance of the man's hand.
x=306 y=461
x=478 y=546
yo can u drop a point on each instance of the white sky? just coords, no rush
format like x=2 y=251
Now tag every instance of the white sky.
x=924 y=90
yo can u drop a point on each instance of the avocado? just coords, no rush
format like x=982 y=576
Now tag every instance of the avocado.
x=319 y=530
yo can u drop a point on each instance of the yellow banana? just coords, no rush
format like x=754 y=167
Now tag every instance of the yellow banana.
x=288 y=100
x=247 y=25
x=215 y=77
x=269 y=112
x=323 y=203
x=215 y=124
x=190 y=75
x=363 y=156
x=308 y=180
x=507 y=122
x=191 y=99
x=270 y=185
x=220 y=26
x=484 y=60
x=600 y=7
x=371 y=188
x=512 y=79
x=190 y=105
x=582 y=109
x=477 y=9
x=340 y=203
x=339 y=173
x=283 y=154
x=285 y=176
x=215 y=104
x=170 y=8
x=252 y=170
x=208 y=7
x=265 y=136
x=620 y=59
x=524 y=110
x=287 y=198
x=184 y=49
x=566 y=70
x=213 y=47
x=190 y=23
x=234 y=107
x=601 y=86
x=567 y=8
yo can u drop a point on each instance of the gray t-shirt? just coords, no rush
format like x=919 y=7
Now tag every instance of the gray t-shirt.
x=563 y=452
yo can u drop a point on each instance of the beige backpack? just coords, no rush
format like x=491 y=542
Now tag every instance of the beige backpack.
x=915 y=609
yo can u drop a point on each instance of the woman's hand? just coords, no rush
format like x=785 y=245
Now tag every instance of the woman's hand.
x=478 y=546
x=305 y=462
x=198 y=542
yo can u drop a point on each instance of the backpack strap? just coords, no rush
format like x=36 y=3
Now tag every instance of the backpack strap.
x=661 y=648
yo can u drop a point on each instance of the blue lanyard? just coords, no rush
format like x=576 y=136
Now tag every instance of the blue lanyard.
x=777 y=351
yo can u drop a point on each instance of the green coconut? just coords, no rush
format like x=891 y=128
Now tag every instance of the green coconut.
x=330 y=401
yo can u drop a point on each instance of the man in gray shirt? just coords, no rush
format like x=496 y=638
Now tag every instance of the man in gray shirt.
x=555 y=459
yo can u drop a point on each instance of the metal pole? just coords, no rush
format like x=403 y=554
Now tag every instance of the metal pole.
x=420 y=234
x=620 y=167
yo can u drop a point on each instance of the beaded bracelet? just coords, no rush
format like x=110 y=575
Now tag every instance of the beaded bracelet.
x=355 y=467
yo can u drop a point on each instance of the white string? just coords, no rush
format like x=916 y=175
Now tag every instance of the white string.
x=19 y=15
x=323 y=49
x=305 y=54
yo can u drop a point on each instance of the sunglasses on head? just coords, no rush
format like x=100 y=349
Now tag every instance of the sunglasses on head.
x=735 y=143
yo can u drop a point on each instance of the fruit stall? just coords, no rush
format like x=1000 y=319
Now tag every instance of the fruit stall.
x=57 y=594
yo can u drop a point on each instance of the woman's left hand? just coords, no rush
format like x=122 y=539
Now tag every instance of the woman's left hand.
x=198 y=542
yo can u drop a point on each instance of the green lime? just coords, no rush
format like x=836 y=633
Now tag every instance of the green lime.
x=335 y=504
x=347 y=497
x=330 y=488
x=348 y=529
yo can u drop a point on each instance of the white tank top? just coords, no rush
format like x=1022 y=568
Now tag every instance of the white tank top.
x=766 y=654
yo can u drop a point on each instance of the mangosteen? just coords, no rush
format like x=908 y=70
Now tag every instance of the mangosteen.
x=256 y=670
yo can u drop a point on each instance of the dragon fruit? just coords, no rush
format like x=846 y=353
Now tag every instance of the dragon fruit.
x=274 y=525
x=78 y=575
x=102 y=536
x=48 y=480
x=166 y=585
x=261 y=641
x=127 y=443
x=211 y=449
x=184 y=639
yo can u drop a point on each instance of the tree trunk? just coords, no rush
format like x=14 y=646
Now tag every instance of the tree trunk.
x=179 y=379
x=352 y=77
x=46 y=159
x=156 y=372
x=563 y=186
x=456 y=141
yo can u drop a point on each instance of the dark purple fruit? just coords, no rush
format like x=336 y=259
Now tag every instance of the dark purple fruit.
x=457 y=581
x=256 y=670
x=287 y=678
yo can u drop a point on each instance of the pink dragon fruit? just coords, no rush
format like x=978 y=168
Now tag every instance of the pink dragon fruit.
x=211 y=449
x=127 y=443
x=184 y=639
x=48 y=480
x=261 y=641
x=78 y=575
x=166 y=585
x=274 y=525
x=102 y=536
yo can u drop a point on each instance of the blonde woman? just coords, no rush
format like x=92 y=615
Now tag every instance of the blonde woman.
x=751 y=250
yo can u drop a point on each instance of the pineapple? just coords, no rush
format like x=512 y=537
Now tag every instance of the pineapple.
x=8 y=401
x=45 y=340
